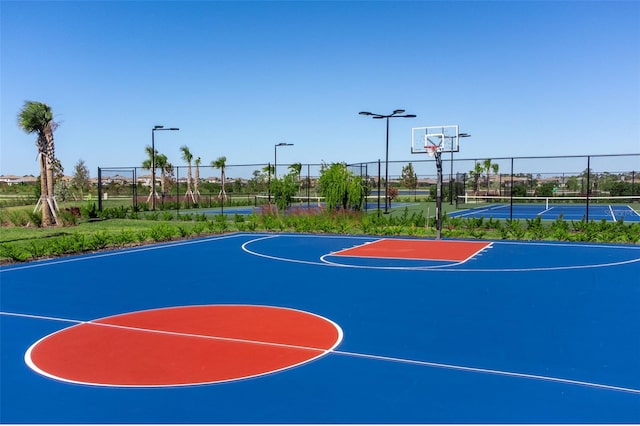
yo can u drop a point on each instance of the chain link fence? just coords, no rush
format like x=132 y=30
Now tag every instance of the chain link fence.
x=184 y=187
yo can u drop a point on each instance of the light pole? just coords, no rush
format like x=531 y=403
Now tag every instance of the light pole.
x=451 y=185
x=394 y=114
x=275 y=157
x=153 y=162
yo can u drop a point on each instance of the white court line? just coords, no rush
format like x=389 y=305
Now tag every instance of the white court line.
x=633 y=211
x=337 y=253
x=468 y=212
x=116 y=252
x=447 y=267
x=346 y=353
x=493 y=372
x=324 y=262
x=321 y=351
x=613 y=215
x=544 y=211
x=442 y=264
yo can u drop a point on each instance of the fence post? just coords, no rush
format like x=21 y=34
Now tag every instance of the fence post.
x=177 y=192
x=511 y=193
x=135 y=189
x=308 y=184
x=99 y=189
x=588 y=185
x=379 y=188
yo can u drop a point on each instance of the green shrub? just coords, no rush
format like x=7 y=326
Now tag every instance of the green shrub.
x=36 y=250
x=162 y=232
x=252 y=225
x=125 y=237
x=559 y=230
x=198 y=228
x=99 y=240
x=67 y=218
x=89 y=211
x=475 y=222
x=68 y=244
x=478 y=233
x=35 y=217
x=185 y=217
x=183 y=231
x=13 y=252
x=536 y=229
x=120 y=212
x=152 y=215
x=18 y=217
x=514 y=228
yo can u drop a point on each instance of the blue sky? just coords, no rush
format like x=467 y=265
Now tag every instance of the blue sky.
x=523 y=78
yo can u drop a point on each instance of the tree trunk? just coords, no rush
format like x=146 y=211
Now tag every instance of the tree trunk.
x=189 y=179
x=47 y=217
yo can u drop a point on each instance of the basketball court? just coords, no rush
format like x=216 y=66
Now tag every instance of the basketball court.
x=294 y=328
x=298 y=328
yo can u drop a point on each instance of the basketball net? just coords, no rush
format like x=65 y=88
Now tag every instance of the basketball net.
x=431 y=150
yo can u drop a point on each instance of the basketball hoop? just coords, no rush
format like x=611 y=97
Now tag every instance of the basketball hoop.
x=431 y=150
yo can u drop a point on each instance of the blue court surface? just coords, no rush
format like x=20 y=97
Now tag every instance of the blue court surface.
x=597 y=212
x=247 y=210
x=514 y=332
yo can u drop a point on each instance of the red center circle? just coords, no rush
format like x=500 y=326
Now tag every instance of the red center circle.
x=181 y=346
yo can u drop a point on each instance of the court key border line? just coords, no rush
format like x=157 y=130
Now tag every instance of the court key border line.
x=446 y=268
x=444 y=261
x=324 y=262
x=324 y=352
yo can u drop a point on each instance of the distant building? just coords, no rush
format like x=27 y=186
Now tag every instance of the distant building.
x=12 y=179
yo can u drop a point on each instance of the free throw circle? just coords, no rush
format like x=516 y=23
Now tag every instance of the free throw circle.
x=187 y=345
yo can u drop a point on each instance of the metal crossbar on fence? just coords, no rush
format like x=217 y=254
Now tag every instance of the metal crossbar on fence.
x=584 y=176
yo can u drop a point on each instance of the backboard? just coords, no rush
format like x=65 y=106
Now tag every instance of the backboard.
x=444 y=137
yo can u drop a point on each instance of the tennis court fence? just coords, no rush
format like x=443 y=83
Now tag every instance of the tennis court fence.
x=180 y=187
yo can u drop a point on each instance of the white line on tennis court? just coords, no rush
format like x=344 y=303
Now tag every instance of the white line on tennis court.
x=633 y=211
x=354 y=354
x=544 y=211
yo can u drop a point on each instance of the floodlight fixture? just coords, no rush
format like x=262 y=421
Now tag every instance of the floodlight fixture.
x=394 y=114
x=275 y=156
x=153 y=162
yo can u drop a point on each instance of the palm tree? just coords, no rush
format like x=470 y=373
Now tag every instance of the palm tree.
x=220 y=164
x=476 y=173
x=487 y=167
x=269 y=169
x=148 y=164
x=166 y=170
x=496 y=167
x=297 y=169
x=196 y=180
x=187 y=156
x=37 y=117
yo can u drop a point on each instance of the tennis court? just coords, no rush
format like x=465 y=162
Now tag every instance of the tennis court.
x=298 y=203
x=293 y=328
x=611 y=209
